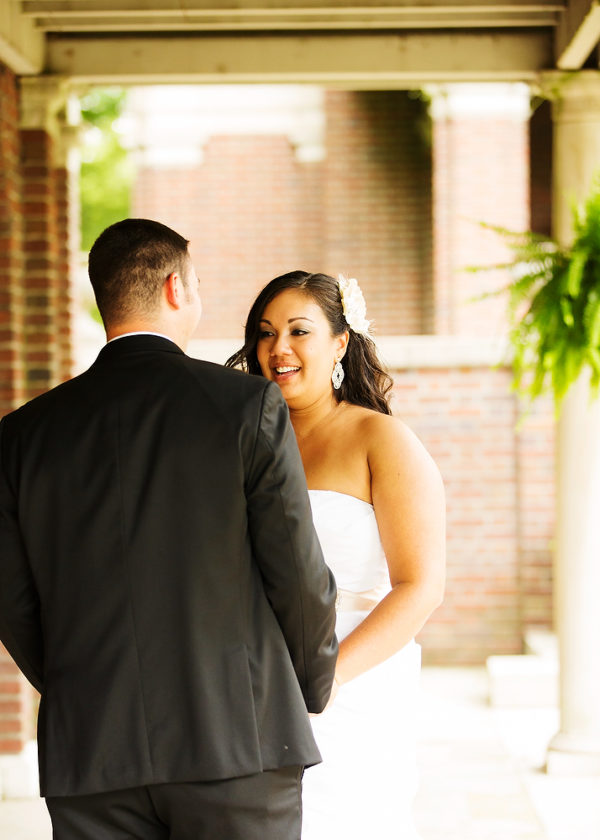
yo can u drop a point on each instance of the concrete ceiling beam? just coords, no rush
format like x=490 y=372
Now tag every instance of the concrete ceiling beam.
x=83 y=7
x=366 y=61
x=152 y=15
x=21 y=45
x=305 y=20
x=577 y=34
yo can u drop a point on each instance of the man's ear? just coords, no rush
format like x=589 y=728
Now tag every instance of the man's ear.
x=174 y=290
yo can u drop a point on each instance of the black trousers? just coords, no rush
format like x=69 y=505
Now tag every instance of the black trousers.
x=266 y=806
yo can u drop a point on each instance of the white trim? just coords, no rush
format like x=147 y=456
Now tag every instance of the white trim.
x=169 y=126
x=440 y=351
x=482 y=101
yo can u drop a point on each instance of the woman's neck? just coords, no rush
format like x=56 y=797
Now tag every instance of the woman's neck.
x=307 y=419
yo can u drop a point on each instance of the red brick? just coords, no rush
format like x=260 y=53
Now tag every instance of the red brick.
x=11 y=746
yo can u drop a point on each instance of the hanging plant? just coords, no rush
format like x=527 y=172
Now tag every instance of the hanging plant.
x=554 y=305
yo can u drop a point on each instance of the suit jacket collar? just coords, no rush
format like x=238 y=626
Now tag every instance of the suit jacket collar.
x=136 y=344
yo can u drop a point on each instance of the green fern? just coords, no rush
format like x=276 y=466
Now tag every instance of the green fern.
x=554 y=305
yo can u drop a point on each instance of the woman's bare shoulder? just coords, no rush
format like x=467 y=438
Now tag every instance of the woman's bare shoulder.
x=392 y=443
x=386 y=427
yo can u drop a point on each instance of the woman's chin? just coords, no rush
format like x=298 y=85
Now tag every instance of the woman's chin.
x=292 y=393
x=289 y=383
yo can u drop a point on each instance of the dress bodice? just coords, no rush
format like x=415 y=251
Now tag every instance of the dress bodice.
x=349 y=536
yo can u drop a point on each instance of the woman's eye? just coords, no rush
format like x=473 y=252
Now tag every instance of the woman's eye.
x=299 y=332
x=264 y=334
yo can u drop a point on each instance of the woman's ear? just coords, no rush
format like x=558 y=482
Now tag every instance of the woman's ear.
x=342 y=344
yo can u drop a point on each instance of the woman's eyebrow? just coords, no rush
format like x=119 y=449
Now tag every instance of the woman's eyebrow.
x=296 y=318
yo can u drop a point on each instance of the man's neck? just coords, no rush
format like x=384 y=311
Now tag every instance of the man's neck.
x=133 y=328
x=139 y=332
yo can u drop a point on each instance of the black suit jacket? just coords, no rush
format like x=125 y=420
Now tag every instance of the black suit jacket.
x=161 y=583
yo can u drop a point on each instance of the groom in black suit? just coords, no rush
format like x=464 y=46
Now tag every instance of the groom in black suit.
x=161 y=583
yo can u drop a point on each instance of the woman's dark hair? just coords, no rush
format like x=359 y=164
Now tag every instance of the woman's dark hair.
x=365 y=383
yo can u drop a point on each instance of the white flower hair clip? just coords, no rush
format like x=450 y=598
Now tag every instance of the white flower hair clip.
x=353 y=304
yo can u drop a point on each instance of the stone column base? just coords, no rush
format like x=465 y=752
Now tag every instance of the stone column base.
x=19 y=774
x=573 y=755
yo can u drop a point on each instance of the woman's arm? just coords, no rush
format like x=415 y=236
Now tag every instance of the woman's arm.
x=408 y=498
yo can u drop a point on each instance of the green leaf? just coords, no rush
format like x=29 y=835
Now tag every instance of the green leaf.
x=553 y=304
x=591 y=319
x=574 y=274
x=538 y=383
x=594 y=358
x=106 y=171
x=567 y=312
x=548 y=359
x=573 y=363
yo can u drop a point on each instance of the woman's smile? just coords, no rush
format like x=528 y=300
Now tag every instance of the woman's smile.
x=283 y=373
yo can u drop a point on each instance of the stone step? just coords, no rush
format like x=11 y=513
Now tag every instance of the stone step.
x=522 y=681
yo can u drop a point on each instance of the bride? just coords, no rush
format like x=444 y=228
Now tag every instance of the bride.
x=378 y=508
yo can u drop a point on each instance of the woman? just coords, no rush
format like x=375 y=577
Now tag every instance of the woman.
x=378 y=508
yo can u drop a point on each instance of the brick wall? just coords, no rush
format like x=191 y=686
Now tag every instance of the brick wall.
x=42 y=245
x=377 y=209
x=67 y=229
x=15 y=696
x=35 y=335
x=253 y=211
x=11 y=248
x=536 y=505
x=499 y=492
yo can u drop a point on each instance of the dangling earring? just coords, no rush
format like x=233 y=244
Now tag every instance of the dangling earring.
x=337 y=377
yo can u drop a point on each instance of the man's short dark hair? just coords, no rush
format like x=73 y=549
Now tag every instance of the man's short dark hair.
x=129 y=263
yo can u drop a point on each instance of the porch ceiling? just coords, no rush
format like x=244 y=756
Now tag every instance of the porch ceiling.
x=389 y=42
x=195 y=15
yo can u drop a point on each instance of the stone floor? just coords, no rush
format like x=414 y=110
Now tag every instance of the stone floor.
x=481 y=773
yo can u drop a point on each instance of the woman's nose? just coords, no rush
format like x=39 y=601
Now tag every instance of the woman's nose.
x=280 y=346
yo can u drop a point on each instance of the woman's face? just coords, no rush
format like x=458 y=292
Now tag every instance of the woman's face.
x=296 y=349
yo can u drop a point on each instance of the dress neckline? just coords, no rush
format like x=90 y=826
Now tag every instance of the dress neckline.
x=344 y=495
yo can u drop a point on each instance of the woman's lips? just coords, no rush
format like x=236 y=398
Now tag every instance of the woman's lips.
x=284 y=372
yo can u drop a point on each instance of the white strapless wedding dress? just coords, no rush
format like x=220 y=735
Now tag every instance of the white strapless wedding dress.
x=367 y=782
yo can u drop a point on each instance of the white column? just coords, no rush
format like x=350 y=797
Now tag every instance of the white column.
x=575 y=749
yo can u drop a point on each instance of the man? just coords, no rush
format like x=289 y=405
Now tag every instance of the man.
x=161 y=583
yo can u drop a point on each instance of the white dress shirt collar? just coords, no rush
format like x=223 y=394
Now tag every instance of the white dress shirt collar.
x=140 y=332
